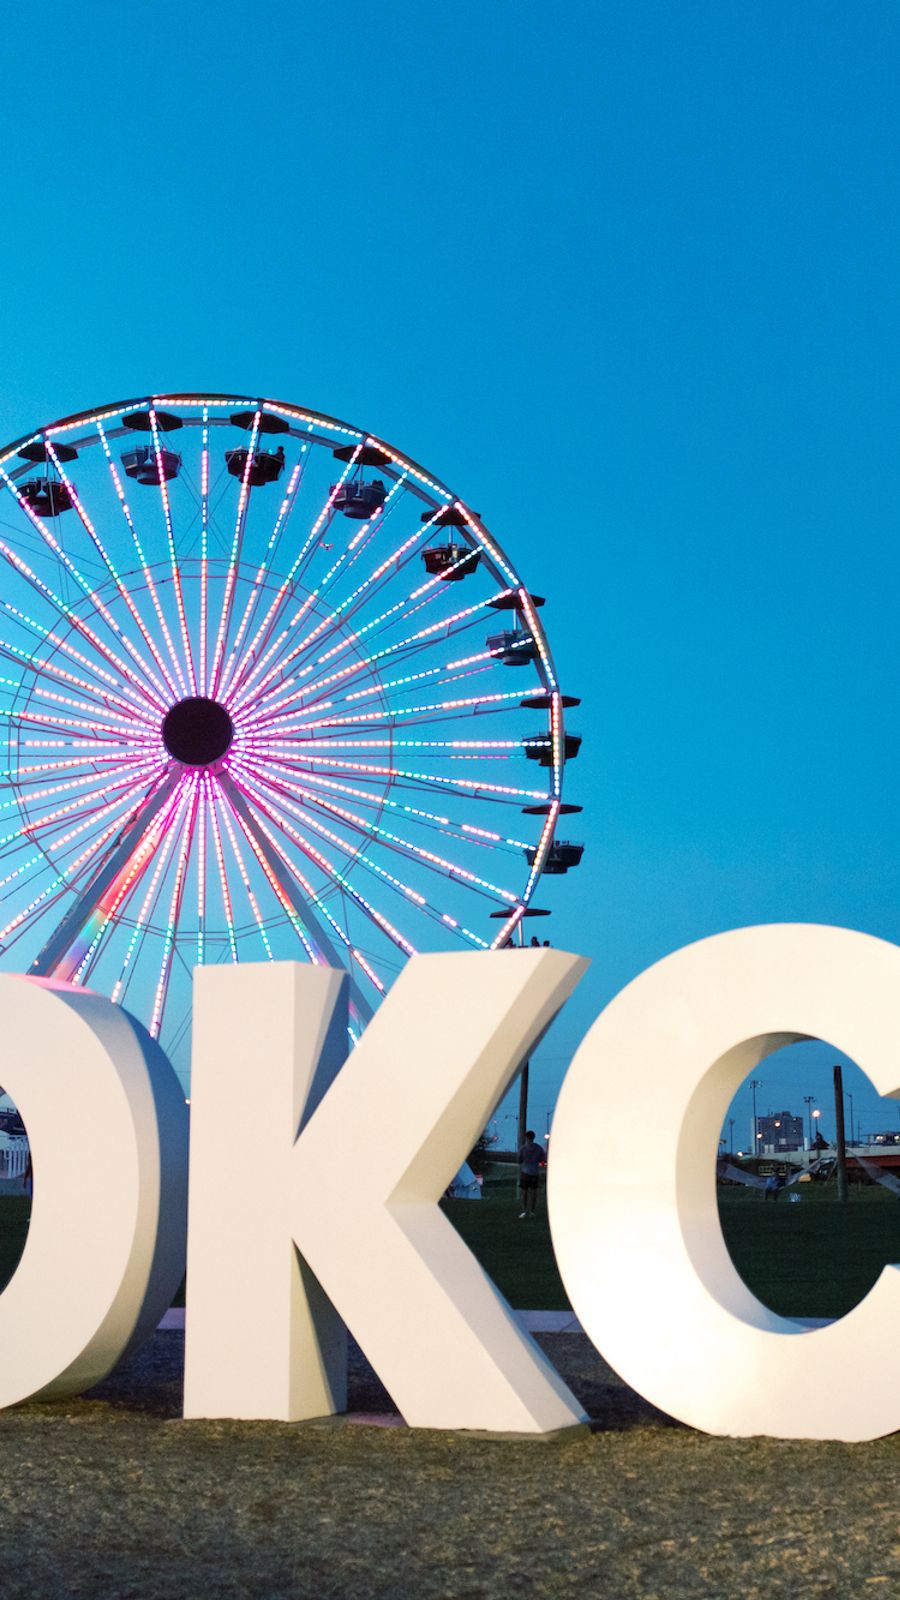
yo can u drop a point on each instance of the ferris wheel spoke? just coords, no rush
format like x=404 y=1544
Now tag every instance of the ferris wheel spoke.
x=204 y=557
x=456 y=749
x=450 y=627
x=245 y=879
x=103 y=698
x=98 y=766
x=282 y=880
x=265 y=849
x=85 y=584
x=173 y=555
x=129 y=701
x=32 y=829
x=68 y=877
x=431 y=588
x=148 y=905
x=145 y=569
x=119 y=804
x=38 y=690
x=71 y=616
x=412 y=898
x=284 y=512
x=123 y=591
x=381 y=801
x=37 y=908
x=448 y=672
x=131 y=849
x=35 y=715
x=285 y=877
x=105 y=734
x=429 y=860
x=466 y=786
x=249 y=791
x=87 y=949
x=445 y=673
x=312 y=793
x=297 y=567
x=426 y=714
x=382 y=574
x=234 y=557
x=446 y=627
x=37 y=794
x=258 y=836
x=354 y=851
x=210 y=791
x=201 y=869
x=165 y=971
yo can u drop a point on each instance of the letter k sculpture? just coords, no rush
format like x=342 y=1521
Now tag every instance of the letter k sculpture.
x=315 y=1184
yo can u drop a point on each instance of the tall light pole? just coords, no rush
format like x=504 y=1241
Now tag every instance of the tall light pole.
x=809 y=1101
x=731 y=1135
x=755 y=1083
x=840 y=1144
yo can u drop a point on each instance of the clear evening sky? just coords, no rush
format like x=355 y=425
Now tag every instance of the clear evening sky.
x=622 y=274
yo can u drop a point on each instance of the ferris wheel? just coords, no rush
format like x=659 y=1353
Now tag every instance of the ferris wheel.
x=269 y=690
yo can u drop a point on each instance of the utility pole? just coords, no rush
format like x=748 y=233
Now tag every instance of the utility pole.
x=523 y=1104
x=809 y=1101
x=839 y=1136
x=755 y=1083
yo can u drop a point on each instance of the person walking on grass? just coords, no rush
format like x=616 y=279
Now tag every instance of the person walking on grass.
x=531 y=1156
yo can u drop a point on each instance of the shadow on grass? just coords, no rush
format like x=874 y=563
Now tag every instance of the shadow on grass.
x=151 y=1382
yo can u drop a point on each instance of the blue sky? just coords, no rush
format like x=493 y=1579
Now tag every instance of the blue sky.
x=624 y=276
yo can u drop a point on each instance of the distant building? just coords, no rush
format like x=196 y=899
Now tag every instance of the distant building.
x=780 y=1130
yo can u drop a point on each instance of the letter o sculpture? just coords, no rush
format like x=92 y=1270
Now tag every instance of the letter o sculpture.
x=107 y=1127
x=632 y=1187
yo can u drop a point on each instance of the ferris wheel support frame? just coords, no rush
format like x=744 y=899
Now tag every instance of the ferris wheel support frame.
x=54 y=952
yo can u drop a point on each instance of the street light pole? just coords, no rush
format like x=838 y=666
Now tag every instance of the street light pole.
x=523 y=1103
x=809 y=1101
x=755 y=1083
x=840 y=1144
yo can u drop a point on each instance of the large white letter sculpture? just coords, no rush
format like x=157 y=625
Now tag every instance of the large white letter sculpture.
x=107 y=1126
x=357 y=1192
x=638 y=1242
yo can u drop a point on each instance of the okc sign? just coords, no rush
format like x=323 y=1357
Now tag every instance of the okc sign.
x=334 y=1222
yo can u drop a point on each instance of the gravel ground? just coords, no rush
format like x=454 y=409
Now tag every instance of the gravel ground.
x=114 y=1496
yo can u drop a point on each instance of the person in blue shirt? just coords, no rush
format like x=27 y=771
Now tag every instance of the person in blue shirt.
x=531 y=1159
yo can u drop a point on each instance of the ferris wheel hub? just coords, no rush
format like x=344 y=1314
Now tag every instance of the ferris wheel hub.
x=197 y=731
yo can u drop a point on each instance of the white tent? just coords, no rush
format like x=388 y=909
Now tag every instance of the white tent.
x=465 y=1185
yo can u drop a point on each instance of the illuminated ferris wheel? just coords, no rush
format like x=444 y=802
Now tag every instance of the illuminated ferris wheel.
x=269 y=690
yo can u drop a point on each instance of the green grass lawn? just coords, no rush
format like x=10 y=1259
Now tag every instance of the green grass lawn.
x=517 y=1255
x=813 y=1259
x=816 y=1258
x=14 y=1212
